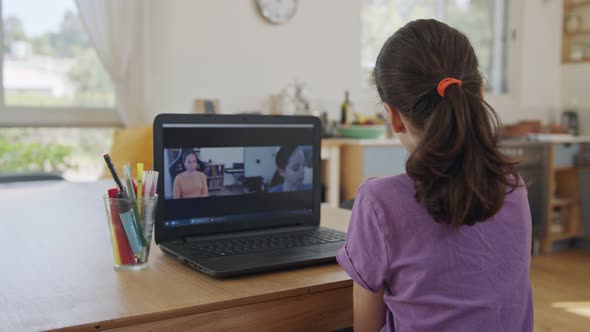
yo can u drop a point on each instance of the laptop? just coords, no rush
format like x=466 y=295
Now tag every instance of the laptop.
x=240 y=194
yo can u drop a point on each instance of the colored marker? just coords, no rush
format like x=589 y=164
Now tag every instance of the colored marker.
x=129 y=223
x=127 y=175
x=113 y=170
x=139 y=185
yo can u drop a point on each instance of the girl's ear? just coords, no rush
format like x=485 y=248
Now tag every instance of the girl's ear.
x=395 y=119
x=282 y=172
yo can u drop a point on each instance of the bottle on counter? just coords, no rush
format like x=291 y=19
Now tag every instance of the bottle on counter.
x=346 y=110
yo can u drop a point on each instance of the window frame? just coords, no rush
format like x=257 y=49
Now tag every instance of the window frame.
x=514 y=44
x=51 y=116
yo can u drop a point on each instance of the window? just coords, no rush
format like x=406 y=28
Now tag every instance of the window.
x=48 y=59
x=485 y=22
x=52 y=76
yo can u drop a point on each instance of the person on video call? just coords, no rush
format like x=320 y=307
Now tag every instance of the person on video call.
x=290 y=170
x=190 y=183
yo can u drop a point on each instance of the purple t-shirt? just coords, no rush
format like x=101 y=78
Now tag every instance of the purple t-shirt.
x=437 y=277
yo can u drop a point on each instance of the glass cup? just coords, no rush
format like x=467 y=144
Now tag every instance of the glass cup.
x=131 y=224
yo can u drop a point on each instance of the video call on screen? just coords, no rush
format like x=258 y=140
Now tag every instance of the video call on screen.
x=220 y=174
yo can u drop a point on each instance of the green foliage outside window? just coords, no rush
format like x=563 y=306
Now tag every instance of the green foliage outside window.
x=18 y=155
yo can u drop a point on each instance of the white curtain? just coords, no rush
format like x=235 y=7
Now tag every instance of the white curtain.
x=114 y=27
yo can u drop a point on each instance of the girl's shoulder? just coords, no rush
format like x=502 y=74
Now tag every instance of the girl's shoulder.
x=399 y=186
x=517 y=190
x=390 y=195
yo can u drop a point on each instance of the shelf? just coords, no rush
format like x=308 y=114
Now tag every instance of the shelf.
x=577 y=33
x=565 y=236
x=564 y=168
x=558 y=202
x=576 y=61
x=571 y=168
x=577 y=4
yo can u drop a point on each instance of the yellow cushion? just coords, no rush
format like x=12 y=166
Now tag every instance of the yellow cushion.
x=132 y=145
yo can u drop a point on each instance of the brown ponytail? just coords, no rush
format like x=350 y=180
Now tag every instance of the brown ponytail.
x=460 y=175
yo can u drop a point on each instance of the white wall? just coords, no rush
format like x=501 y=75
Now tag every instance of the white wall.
x=575 y=78
x=226 y=156
x=534 y=78
x=541 y=56
x=260 y=161
x=545 y=87
x=576 y=84
x=224 y=49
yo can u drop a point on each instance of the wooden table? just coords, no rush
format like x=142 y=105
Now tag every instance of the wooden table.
x=57 y=273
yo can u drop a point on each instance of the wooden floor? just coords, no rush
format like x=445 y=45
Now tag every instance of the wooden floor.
x=561 y=291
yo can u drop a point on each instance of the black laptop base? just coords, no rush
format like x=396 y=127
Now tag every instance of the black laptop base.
x=276 y=250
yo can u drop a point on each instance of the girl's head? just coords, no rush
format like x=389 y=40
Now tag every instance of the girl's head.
x=428 y=78
x=190 y=161
x=291 y=163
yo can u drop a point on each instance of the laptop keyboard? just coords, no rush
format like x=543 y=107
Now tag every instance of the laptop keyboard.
x=241 y=245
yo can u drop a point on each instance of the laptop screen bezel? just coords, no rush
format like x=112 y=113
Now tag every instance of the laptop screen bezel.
x=164 y=234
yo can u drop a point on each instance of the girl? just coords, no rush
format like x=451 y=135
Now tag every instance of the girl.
x=445 y=247
x=290 y=171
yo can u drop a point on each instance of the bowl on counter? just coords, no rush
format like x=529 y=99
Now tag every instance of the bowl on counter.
x=361 y=131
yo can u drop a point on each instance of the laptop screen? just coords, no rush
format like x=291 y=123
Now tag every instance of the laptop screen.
x=224 y=174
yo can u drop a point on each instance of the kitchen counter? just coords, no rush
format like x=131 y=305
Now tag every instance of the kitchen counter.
x=546 y=163
x=361 y=142
x=395 y=142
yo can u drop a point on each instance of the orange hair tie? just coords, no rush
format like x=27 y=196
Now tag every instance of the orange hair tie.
x=444 y=84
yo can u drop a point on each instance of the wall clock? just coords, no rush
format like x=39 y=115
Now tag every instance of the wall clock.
x=277 y=11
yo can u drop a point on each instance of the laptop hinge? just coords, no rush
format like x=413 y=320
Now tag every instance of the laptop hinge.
x=177 y=241
x=250 y=232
